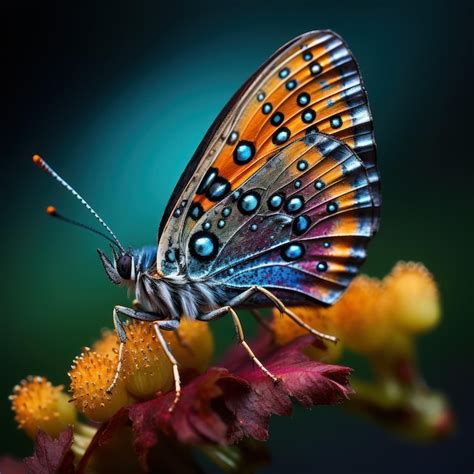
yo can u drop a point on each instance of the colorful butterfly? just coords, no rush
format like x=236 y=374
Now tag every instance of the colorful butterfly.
x=277 y=205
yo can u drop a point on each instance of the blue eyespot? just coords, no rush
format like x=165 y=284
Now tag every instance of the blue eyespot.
x=326 y=245
x=336 y=122
x=196 y=211
x=260 y=96
x=302 y=165
x=206 y=225
x=292 y=252
x=277 y=118
x=226 y=211
x=303 y=99
x=218 y=189
x=253 y=227
x=308 y=115
x=177 y=213
x=221 y=223
x=322 y=266
x=275 y=202
x=319 y=184
x=290 y=85
x=249 y=202
x=298 y=184
x=233 y=137
x=293 y=205
x=284 y=73
x=267 y=108
x=315 y=68
x=307 y=56
x=281 y=136
x=301 y=224
x=332 y=207
x=203 y=245
x=244 y=152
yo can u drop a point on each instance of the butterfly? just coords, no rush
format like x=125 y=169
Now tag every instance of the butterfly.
x=276 y=206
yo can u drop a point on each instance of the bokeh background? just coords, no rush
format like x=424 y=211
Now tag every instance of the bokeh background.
x=118 y=95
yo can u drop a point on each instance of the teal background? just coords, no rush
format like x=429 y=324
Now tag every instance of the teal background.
x=118 y=96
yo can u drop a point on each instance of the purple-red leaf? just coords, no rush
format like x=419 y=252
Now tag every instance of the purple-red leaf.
x=52 y=455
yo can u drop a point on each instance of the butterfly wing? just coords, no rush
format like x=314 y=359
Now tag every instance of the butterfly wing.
x=309 y=89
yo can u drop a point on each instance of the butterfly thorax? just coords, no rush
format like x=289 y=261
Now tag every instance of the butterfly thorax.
x=171 y=297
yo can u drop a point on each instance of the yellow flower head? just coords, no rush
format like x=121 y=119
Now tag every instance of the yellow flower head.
x=412 y=297
x=286 y=330
x=38 y=405
x=192 y=344
x=107 y=344
x=146 y=368
x=91 y=375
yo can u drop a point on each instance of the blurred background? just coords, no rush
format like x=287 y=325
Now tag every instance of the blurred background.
x=118 y=96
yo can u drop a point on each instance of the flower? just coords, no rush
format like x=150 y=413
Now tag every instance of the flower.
x=91 y=375
x=38 y=405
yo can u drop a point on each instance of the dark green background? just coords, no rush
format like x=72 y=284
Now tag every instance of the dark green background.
x=118 y=96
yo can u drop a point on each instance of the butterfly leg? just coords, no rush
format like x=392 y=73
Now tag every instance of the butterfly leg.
x=216 y=314
x=168 y=325
x=283 y=309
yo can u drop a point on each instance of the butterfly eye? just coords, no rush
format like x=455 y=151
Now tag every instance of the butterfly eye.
x=124 y=266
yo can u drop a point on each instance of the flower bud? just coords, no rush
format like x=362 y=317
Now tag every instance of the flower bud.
x=359 y=318
x=286 y=330
x=38 y=405
x=192 y=344
x=412 y=297
x=146 y=367
x=91 y=375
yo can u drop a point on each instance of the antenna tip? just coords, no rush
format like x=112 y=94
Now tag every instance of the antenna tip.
x=51 y=211
x=37 y=160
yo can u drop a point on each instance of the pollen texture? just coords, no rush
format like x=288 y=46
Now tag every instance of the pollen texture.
x=40 y=405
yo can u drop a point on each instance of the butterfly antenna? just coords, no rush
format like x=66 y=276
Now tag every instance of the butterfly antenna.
x=38 y=161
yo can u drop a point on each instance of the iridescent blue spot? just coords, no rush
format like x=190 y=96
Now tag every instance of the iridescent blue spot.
x=294 y=204
x=277 y=118
x=203 y=245
x=308 y=115
x=336 y=122
x=290 y=85
x=253 y=227
x=249 y=202
x=315 y=68
x=267 y=108
x=312 y=130
x=322 y=266
x=302 y=165
x=236 y=195
x=319 y=184
x=218 y=189
x=303 y=99
x=332 y=207
x=244 y=152
x=297 y=184
x=260 y=96
x=281 y=136
x=284 y=73
x=292 y=251
x=208 y=179
x=196 y=211
x=326 y=245
x=301 y=224
x=275 y=202
x=207 y=225
x=307 y=56
x=233 y=137
x=177 y=213
x=221 y=223
x=170 y=256
x=226 y=211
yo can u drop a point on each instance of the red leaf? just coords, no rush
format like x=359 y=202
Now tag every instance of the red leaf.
x=222 y=407
x=52 y=456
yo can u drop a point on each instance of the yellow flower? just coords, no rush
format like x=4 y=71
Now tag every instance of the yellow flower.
x=192 y=344
x=91 y=375
x=286 y=330
x=146 y=368
x=38 y=405
x=412 y=297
